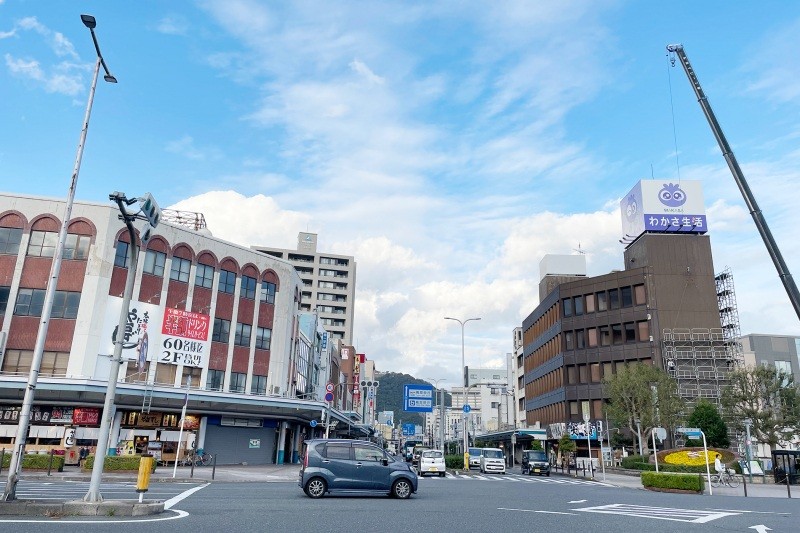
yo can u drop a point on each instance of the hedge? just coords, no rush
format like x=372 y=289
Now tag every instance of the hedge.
x=116 y=463
x=455 y=462
x=673 y=481
x=36 y=461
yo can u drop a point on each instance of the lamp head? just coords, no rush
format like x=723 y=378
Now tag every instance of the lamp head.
x=109 y=78
x=89 y=21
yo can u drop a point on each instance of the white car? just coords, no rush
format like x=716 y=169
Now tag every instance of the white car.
x=475 y=457
x=493 y=460
x=431 y=462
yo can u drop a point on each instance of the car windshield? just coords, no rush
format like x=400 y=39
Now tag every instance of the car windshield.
x=434 y=454
x=475 y=452
x=493 y=454
x=537 y=456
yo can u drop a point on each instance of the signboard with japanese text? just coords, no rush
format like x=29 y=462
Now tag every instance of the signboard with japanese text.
x=86 y=416
x=665 y=207
x=418 y=398
x=184 y=338
x=169 y=336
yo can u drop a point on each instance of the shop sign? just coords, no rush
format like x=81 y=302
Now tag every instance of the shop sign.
x=149 y=420
x=40 y=414
x=9 y=414
x=191 y=422
x=255 y=443
x=61 y=415
x=184 y=338
x=85 y=416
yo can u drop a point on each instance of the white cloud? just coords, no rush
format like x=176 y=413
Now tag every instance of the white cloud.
x=777 y=65
x=173 y=25
x=364 y=70
x=65 y=82
x=185 y=146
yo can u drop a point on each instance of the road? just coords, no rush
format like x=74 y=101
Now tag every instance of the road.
x=471 y=503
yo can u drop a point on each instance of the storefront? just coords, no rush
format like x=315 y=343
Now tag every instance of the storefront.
x=156 y=433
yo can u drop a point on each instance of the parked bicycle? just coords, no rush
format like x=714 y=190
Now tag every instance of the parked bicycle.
x=197 y=457
x=728 y=477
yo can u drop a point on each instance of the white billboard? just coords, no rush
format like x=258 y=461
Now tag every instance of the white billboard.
x=664 y=207
x=169 y=336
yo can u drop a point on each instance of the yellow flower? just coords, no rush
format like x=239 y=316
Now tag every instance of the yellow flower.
x=690 y=457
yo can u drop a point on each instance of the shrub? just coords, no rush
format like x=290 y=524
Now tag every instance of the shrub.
x=632 y=461
x=36 y=461
x=673 y=481
x=454 y=461
x=114 y=463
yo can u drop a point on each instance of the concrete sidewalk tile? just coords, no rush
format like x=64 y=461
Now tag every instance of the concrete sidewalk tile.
x=44 y=509
x=13 y=508
x=80 y=508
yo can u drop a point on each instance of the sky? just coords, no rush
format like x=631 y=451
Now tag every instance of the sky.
x=447 y=146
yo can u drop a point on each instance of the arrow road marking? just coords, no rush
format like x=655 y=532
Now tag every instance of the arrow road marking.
x=577 y=501
x=761 y=528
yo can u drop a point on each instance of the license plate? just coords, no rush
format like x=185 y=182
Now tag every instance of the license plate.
x=536 y=470
x=433 y=469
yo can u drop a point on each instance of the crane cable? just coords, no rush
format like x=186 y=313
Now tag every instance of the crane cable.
x=672 y=109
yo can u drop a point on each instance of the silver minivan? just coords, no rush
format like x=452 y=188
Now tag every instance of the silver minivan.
x=351 y=466
x=493 y=460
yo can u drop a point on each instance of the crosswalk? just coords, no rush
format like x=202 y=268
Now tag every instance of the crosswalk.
x=694 y=516
x=515 y=478
x=76 y=490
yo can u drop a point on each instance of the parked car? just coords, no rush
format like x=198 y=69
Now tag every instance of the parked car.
x=350 y=466
x=431 y=462
x=535 y=462
x=493 y=460
x=475 y=457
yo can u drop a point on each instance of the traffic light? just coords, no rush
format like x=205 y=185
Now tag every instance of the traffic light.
x=150 y=209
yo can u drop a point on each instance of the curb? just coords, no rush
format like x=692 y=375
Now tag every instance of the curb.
x=80 y=508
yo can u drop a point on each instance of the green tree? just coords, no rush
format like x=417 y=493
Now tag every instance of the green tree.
x=566 y=447
x=706 y=417
x=767 y=396
x=644 y=392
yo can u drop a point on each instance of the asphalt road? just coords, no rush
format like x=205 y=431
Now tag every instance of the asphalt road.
x=494 y=504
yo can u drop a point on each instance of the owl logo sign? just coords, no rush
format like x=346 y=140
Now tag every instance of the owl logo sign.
x=671 y=195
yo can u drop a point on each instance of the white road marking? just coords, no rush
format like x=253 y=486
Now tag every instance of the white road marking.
x=532 y=511
x=658 y=513
x=577 y=501
x=178 y=514
x=185 y=494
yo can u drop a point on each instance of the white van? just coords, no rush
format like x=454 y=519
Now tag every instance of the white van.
x=493 y=460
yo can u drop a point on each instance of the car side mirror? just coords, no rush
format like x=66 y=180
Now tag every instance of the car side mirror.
x=385 y=461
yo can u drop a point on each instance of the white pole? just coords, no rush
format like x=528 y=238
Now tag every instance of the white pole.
x=180 y=433
x=655 y=450
x=708 y=467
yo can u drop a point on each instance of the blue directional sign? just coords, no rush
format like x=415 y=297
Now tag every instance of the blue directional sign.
x=467 y=408
x=418 y=398
x=408 y=430
x=313 y=423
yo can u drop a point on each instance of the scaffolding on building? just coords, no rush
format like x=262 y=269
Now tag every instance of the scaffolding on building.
x=701 y=359
x=188 y=219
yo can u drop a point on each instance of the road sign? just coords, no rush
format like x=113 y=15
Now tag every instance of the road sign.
x=467 y=408
x=328 y=396
x=329 y=387
x=313 y=423
x=661 y=434
x=418 y=398
x=408 y=430
x=692 y=433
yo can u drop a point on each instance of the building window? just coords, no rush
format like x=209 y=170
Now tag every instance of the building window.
x=495 y=405
x=227 y=281
x=76 y=246
x=613 y=298
x=179 y=271
x=580 y=339
x=19 y=361
x=616 y=333
x=268 y=292
x=65 y=304
x=154 y=263
x=630 y=332
x=583 y=374
x=222 y=330
x=605 y=336
x=248 y=288
x=578 y=305
x=572 y=376
x=43 y=243
x=121 y=255
x=589 y=299
x=204 y=277
x=4 y=292
x=10 y=238
x=31 y=301
x=258 y=385
x=607 y=371
x=595 y=372
x=627 y=296
x=644 y=330
x=215 y=379
x=263 y=338
x=242 y=336
x=567 y=305
x=573 y=408
x=238 y=380
x=602 y=301
x=592 y=334
x=569 y=340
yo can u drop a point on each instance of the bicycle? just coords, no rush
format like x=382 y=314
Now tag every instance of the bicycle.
x=196 y=458
x=726 y=478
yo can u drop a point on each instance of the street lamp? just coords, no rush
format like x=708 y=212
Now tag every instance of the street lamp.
x=464 y=406
x=47 y=306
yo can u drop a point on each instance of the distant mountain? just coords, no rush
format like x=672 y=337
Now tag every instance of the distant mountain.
x=390 y=396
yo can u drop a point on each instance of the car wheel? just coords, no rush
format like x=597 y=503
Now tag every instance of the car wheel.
x=401 y=489
x=316 y=487
x=548 y=474
x=441 y=474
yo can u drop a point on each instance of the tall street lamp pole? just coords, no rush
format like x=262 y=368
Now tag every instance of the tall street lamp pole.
x=47 y=306
x=464 y=368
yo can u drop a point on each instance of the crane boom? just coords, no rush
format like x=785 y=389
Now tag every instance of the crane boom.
x=733 y=165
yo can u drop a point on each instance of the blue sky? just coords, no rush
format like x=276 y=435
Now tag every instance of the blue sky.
x=446 y=145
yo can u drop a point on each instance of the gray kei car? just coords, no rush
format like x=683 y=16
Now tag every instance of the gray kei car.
x=353 y=466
